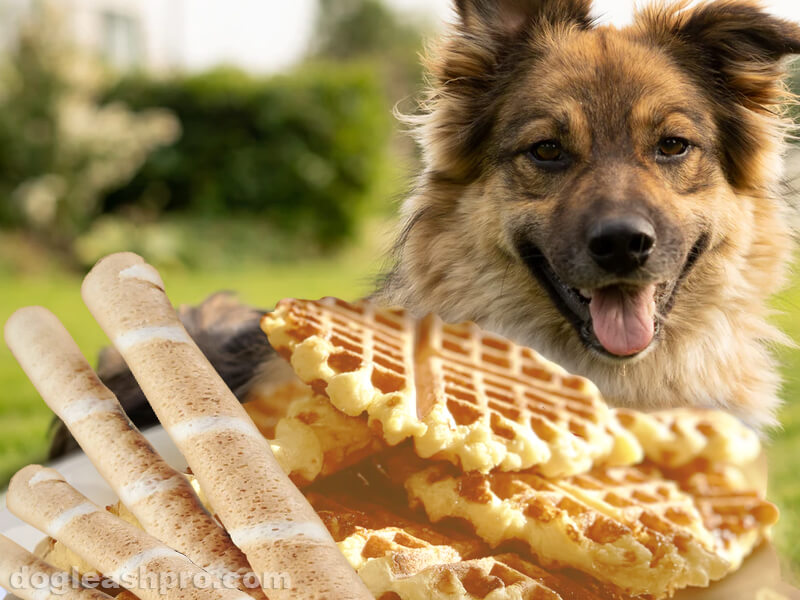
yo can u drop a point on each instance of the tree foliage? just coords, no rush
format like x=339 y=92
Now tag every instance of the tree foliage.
x=61 y=149
x=300 y=150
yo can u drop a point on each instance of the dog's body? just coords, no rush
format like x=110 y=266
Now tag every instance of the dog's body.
x=608 y=197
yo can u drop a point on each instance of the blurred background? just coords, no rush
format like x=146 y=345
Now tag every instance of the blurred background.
x=245 y=145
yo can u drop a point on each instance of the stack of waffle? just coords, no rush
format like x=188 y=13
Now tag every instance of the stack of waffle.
x=492 y=439
x=444 y=462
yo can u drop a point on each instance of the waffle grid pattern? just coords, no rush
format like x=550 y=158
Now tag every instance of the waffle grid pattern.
x=494 y=389
x=464 y=395
x=363 y=336
x=621 y=525
x=411 y=562
x=738 y=518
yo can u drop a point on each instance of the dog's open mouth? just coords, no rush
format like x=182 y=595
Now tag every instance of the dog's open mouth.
x=620 y=321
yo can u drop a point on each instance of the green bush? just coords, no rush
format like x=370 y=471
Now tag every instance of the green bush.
x=61 y=150
x=301 y=150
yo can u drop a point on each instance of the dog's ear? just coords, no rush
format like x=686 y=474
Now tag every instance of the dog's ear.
x=509 y=18
x=735 y=51
x=473 y=62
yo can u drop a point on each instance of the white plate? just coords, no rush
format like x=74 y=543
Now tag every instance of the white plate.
x=81 y=474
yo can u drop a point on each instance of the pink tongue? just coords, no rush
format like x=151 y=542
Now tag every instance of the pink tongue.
x=623 y=320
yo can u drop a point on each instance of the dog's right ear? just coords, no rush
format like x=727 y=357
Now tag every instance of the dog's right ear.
x=511 y=18
x=470 y=64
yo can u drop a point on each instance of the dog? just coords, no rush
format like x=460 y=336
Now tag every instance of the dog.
x=609 y=197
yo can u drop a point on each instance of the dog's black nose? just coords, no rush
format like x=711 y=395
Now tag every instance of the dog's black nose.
x=621 y=244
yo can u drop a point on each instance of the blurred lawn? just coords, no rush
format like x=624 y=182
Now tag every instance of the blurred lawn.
x=24 y=419
x=784 y=447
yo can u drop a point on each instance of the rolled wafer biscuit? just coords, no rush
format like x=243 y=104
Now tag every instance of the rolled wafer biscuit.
x=160 y=497
x=265 y=514
x=120 y=551
x=30 y=578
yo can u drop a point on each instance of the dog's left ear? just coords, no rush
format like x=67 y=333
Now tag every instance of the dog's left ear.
x=734 y=50
x=736 y=45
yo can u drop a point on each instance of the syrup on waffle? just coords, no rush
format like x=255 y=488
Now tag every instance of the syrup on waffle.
x=623 y=525
x=465 y=395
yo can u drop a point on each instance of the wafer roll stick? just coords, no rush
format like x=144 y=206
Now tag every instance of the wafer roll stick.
x=120 y=551
x=30 y=578
x=263 y=511
x=160 y=497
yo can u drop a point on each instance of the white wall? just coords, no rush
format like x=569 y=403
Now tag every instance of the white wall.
x=155 y=28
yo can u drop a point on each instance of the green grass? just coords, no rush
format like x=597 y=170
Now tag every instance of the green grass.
x=24 y=418
x=784 y=449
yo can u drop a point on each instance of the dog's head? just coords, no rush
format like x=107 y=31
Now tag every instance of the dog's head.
x=599 y=181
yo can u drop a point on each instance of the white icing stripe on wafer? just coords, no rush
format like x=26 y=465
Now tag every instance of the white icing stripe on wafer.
x=145 y=487
x=134 y=337
x=62 y=520
x=202 y=425
x=143 y=272
x=43 y=476
x=132 y=565
x=87 y=406
x=279 y=530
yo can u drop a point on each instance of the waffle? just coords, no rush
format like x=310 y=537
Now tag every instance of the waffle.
x=314 y=439
x=265 y=517
x=623 y=525
x=397 y=552
x=266 y=405
x=124 y=553
x=676 y=437
x=462 y=394
x=400 y=557
x=738 y=517
x=157 y=494
x=57 y=554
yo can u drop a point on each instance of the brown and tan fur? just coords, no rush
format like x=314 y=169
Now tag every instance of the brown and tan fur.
x=511 y=72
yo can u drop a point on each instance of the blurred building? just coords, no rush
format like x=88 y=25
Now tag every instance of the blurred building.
x=141 y=34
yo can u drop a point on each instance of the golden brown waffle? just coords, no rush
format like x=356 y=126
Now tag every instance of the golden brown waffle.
x=675 y=437
x=398 y=552
x=314 y=439
x=624 y=525
x=360 y=356
x=738 y=517
x=402 y=559
x=461 y=393
x=268 y=404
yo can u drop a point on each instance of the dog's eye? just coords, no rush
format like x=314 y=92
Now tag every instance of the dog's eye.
x=672 y=146
x=547 y=151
